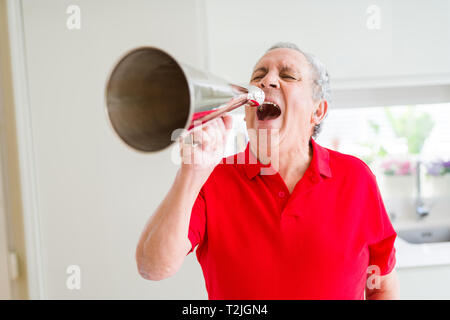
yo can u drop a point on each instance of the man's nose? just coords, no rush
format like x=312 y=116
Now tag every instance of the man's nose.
x=269 y=81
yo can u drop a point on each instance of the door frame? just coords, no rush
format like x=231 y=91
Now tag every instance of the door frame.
x=5 y=283
x=26 y=156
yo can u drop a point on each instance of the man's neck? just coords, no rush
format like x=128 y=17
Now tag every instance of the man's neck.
x=290 y=160
x=295 y=159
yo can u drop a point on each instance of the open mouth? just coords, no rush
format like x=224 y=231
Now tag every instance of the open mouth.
x=268 y=111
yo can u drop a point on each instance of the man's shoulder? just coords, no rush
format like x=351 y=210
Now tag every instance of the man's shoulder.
x=348 y=163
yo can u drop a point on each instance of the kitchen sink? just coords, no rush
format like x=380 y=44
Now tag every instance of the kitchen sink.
x=426 y=234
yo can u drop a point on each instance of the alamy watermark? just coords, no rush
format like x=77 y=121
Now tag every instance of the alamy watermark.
x=374 y=278
x=73 y=281
x=73 y=21
x=373 y=21
x=190 y=148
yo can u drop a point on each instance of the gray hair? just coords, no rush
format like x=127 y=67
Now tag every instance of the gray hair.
x=322 y=89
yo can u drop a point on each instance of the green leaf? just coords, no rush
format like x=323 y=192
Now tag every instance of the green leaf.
x=382 y=152
x=413 y=126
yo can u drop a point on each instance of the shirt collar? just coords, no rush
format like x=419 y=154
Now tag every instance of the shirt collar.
x=319 y=163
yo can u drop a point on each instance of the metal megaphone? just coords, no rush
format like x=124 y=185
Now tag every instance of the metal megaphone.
x=149 y=95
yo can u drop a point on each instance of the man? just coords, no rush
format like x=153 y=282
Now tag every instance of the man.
x=316 y=228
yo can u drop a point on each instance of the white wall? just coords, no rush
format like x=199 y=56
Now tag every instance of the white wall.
x=94 y=194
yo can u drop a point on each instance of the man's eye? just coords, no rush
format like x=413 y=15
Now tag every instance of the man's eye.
x=257 y=77
x=288 y=77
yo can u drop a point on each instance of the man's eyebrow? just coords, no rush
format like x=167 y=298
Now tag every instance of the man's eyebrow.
x=263 y=69
x=289 y=69
x=282 y=69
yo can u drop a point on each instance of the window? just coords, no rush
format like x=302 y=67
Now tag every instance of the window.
x=389 y=140
x=352 y=131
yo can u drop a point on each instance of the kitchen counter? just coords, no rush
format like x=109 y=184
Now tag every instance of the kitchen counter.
x=425 y=254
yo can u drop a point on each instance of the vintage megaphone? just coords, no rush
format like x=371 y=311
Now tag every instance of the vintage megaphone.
x=149 y=95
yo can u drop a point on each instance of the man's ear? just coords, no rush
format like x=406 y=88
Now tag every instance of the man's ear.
x=320 y=112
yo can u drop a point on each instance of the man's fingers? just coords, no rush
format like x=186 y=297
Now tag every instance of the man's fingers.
x=213 y=131
x=228 y=121
x=223 y=131
x=211 y=137
x=221 y=125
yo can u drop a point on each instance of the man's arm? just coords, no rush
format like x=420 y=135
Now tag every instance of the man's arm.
x=164 y=242
x=388 y=290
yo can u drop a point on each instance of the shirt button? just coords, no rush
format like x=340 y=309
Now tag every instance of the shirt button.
x=281 y=194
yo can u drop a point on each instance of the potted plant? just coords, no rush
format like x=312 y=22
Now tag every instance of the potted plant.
x=437 y=178
x=414 y=128
x=396 y=166
x=397 y=178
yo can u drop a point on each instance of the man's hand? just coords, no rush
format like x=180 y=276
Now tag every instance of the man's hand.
x=202 y=148
x=389 y=288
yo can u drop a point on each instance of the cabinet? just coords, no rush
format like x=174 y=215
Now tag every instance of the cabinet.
x=424 y=282
x=365 y=44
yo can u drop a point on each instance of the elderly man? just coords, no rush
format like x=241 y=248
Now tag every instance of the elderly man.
x=314 y=229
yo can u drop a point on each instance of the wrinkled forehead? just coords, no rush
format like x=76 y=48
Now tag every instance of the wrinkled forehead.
x=283 y=58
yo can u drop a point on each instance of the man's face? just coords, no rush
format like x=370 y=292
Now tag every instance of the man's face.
x=285 y=77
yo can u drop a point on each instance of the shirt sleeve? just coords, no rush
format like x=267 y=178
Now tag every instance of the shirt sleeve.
x=197 y=224
x=382 y=233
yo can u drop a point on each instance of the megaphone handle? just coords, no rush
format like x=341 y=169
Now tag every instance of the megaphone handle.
x=204 y=116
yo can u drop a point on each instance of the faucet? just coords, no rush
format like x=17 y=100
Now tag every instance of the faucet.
x=421 y=209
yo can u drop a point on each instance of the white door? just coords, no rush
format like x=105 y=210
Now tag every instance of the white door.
x=5 y=290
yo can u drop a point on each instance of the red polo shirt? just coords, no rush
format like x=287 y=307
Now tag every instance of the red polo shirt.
x=257 y=241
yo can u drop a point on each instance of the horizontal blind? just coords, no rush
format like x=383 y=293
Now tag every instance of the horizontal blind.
x=347 y=130
x=351 y=128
